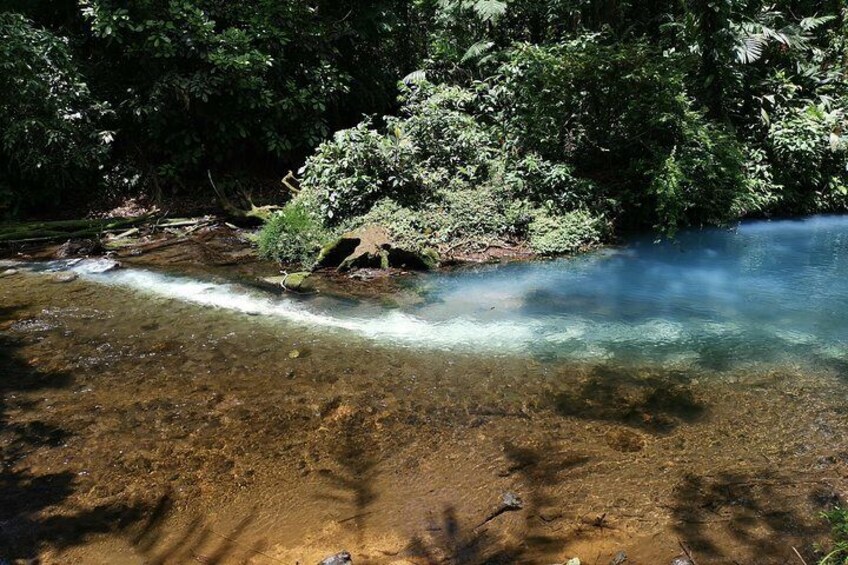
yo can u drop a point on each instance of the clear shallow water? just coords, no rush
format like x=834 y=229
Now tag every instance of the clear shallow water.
x=766 y=292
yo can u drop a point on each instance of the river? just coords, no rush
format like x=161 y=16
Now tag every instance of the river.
x=688 y=391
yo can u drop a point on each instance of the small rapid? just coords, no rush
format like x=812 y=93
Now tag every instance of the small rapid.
x=766 y=292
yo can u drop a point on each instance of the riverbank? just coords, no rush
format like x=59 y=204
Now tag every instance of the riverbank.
x=212 y=245
x=156 y=430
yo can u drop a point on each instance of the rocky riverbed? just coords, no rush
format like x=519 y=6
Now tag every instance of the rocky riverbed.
x=143 y=428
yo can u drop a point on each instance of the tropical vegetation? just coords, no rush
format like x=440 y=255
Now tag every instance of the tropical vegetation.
x=455 y=124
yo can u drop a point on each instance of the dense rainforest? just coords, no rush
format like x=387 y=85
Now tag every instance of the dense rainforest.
x=553 y=124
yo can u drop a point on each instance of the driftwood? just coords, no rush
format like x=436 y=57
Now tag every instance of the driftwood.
x=252 y=213
x=122 y=228
x=33 y=232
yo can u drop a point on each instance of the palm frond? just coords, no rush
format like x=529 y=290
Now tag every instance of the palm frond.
x=812 y=23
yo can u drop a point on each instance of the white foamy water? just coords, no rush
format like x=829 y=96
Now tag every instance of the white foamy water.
x=389 y=326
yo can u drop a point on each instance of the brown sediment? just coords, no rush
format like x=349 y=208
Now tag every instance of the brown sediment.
x=142 y=430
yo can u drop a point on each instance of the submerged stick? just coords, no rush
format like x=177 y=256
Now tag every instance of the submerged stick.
x=509 y=502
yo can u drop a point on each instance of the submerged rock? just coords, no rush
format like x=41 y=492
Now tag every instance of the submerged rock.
x=511 y=501
x=65 y=277
x=624 y=440
x=371 y=247
x=341 y=558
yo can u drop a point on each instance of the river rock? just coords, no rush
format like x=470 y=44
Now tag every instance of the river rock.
x=511 y=501
x=64 y=277
x=372 y=247
x=618 y=558
x=8 y=273
x=682 y=560
x=75 y=248
x=276 y=280
x=342 y=558
x=298 y=281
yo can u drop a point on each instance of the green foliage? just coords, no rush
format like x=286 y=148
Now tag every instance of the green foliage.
x=358 y=167
x=838 y=554
x=810 y=152
x=50 y=141
x=564 y=233
x=637 y=129
x=647 y=114
x=202 y=83
x=293 y=235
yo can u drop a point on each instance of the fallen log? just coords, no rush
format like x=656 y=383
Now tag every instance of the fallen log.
x=65 y=229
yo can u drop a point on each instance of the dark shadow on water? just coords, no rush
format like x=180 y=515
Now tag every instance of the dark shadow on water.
x=351 y=482
x=449 y=541
x=491 y=539
x=539 y=470
x=653 y=403
x=754 y=509
x=34 y=509
x=161 y=542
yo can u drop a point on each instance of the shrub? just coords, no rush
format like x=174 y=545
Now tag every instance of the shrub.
x=348 y=174
x=564 y=233
x=411 y=229
x=700 y=179
x=293 y=235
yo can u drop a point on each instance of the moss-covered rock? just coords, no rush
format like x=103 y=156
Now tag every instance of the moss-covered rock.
x=301 y=282
x=298 y=282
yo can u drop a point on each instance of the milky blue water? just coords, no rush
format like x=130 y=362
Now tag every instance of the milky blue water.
x=765 y=292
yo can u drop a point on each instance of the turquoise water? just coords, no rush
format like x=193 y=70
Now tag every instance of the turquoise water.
x=766 y=291
x=773 y=292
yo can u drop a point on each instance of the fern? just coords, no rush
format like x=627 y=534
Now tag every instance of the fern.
x=415 y=77
x=477 y=50
x=489 y=10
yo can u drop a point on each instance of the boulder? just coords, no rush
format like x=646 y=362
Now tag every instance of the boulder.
x=372 y=247
x=8 y=273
